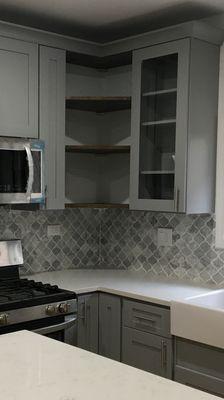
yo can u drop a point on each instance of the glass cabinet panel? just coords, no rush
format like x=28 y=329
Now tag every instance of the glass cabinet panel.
x=158 y=128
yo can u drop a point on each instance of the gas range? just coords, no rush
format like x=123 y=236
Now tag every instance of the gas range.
x=26 y=304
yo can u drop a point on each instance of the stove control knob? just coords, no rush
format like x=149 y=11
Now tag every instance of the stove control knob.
x=3 y=319
x=63 y=308
x=50 y=310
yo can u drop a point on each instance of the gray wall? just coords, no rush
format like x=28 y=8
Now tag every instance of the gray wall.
x=119 y=239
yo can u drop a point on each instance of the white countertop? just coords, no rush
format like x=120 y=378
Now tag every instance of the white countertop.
x=33 y=367
x=122 y=283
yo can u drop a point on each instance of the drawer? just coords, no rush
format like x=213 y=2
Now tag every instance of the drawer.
x=199 y=380
x=199 y=357
x=199 y=366
x=148 y=352
x=146 y=318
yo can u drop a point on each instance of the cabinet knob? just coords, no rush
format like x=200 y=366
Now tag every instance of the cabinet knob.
x=63 y=308
x=50 y=310
x=3 y=319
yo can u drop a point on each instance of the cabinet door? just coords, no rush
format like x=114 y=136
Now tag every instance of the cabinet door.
x=19 y=88
x=87 y=337
x=159 y=127
x=199 y=366
x=52 y=123
x=110 y=326
x=148 y=352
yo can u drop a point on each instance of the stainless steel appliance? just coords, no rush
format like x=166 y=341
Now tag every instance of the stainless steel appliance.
x=21 y=171
x=26 y=304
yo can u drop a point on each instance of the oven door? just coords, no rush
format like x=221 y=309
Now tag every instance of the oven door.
x=65 y=331
x=21 y=171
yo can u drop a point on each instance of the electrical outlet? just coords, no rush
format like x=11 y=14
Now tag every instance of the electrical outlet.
x=53 y=230
x=164 y=237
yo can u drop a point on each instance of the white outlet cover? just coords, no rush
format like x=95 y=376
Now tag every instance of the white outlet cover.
x=53 y=230
x=164 y=237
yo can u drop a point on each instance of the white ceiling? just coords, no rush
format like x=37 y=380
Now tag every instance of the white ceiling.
x=104 y=20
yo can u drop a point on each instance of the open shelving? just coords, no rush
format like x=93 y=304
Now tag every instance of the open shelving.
x=99 y=104
x=97 y=149
x=97 y=144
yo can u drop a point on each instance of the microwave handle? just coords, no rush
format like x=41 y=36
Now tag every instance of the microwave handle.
x=31 y=170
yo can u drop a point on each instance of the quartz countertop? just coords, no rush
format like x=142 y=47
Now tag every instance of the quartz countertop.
x=33 y=367
x=123 y=283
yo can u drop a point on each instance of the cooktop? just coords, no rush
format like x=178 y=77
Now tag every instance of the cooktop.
x=18 y=293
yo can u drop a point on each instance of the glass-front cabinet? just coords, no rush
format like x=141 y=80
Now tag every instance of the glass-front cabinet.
x=159 y=126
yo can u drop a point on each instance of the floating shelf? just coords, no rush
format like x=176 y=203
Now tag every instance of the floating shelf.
x=98 y=104
x=158 y=92
x=96 y=205
x=161 y=122
x=97 y=149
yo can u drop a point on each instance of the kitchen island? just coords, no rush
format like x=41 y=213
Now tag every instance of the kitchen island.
x=33 y=367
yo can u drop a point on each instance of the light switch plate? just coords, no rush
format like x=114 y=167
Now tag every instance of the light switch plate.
x=164 y=237
x=53 y=230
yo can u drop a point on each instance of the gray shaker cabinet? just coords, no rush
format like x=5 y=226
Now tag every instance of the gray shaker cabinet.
x=199 y=366
x=88 y=332
x=149 y=352
x=110 y=326
x=146 y=339
x=19 y=88
x=52 y=122
x=174 y=112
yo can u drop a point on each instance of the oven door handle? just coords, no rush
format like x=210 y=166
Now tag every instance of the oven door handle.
x=58 y=327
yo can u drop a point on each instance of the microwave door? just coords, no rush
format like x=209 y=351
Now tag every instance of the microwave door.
x=16 y=174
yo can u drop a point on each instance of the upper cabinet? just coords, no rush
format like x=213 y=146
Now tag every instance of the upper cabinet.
x=19 y=88
x=52 y=122
x=174 y=112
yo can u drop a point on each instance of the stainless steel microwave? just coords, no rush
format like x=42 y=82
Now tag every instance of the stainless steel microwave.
x=21 y=171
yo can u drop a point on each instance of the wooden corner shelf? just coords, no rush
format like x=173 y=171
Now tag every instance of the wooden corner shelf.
x=96 y=205
x=99 y=104
x=97 y=149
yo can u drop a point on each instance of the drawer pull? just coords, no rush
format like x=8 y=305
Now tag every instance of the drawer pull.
x=163 y=354
x=146 y=319
x=136 y=342
x=83 y=314
x=85 y=308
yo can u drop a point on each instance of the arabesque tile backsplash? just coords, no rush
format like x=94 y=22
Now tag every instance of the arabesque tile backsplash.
x=118 y=239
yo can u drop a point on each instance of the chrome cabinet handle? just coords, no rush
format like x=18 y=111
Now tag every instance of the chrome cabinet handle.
x=146 y=319
x=83 y=315
x=163 y=354
x=177 y=200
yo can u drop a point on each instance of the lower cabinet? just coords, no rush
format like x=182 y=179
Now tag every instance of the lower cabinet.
x=133 y=332
x=146 y=351
x=199 y=366
x=88 y=314
x=110 y=326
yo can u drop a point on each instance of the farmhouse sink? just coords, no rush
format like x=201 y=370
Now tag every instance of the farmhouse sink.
x=200 y=318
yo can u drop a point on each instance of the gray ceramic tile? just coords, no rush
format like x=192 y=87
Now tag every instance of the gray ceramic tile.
x=117 y=238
